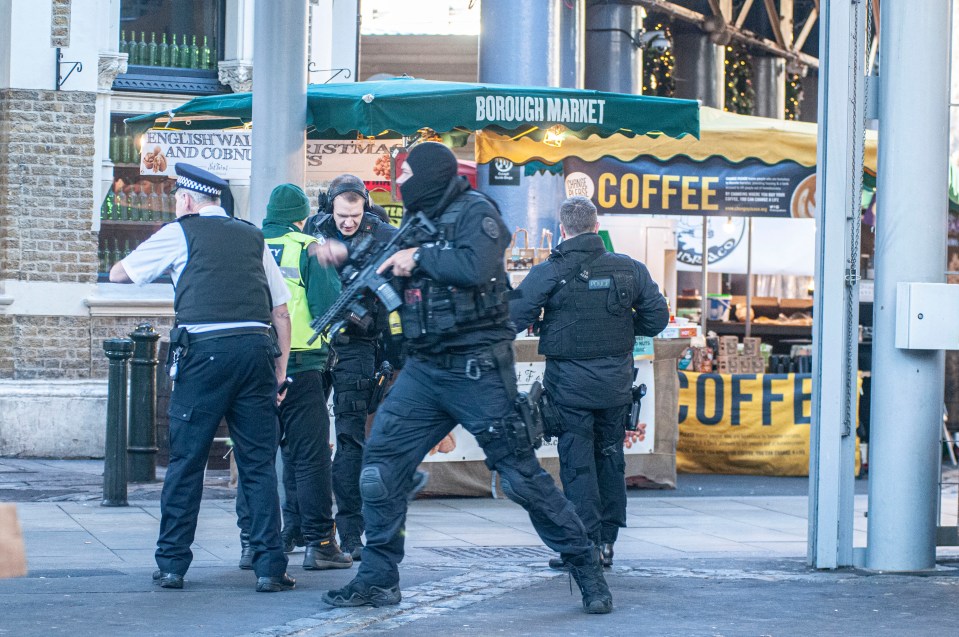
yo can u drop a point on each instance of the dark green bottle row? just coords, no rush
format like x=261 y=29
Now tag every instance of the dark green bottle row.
x=186 y=55
x=138 y=206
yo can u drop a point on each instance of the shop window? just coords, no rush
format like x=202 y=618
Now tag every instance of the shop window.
x=173 y=45
x=135 y=206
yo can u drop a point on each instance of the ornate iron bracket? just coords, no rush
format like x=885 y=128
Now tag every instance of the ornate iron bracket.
x=347 y=73
x=75 y=66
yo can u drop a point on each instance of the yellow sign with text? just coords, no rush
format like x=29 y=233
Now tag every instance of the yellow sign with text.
x=750 y=424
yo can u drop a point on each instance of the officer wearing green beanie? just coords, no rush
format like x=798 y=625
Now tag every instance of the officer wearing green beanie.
x=304 y=420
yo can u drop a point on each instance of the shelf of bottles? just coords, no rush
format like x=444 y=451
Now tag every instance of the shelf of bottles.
x=132 y=211
x=190 y=53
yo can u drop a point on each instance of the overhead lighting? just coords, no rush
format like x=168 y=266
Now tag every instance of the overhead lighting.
x=554 y=136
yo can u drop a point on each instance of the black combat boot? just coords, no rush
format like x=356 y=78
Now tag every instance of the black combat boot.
x=588 y=573
x=606 y=554
x=246 y=552
x=324 y=554
x=352 y=545
x=292 y=538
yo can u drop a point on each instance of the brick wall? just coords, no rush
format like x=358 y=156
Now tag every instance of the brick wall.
x=63 y=347
x=60 y=23
x=46 y=186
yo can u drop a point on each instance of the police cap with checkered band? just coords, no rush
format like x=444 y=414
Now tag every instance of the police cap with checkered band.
x=190 y=177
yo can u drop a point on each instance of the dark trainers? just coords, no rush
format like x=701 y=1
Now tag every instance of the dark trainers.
x=275 y=584
x=246 y=552
x=588 y=574
x=358 y=594
x=321 y=555
x=291 y=539
x=352 y=545
x=558 y=564
x=167 y=580
x=606 y=554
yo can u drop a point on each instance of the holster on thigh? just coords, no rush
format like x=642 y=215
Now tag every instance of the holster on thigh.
x=353 y=396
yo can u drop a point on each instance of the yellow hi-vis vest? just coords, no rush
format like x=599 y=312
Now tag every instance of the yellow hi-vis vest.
x=287 y=250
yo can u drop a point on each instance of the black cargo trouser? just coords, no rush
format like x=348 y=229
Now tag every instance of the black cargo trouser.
x=232 y=377
x=424 y=405
x=352 y=388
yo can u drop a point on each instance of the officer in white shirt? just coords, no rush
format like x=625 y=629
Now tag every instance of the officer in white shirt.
x=226 y=361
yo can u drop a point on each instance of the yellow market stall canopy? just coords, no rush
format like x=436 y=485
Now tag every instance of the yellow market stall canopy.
x=735 y=138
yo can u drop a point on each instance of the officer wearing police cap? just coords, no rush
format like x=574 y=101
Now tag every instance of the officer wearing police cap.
x=225 y=361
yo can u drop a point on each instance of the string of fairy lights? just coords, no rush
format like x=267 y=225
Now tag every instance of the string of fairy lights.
x=658 y=78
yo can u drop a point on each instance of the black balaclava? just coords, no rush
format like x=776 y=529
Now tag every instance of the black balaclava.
x=433 y=166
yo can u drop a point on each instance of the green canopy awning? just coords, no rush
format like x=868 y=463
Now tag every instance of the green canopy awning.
x=405 y=105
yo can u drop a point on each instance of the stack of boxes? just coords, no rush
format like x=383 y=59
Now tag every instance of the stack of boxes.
x=731 y=361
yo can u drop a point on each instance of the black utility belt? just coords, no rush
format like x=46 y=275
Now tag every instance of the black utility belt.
x=199 y=337
x=482 y=359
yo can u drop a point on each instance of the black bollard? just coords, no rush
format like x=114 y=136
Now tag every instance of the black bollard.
x=142 y=445
x=118 y=350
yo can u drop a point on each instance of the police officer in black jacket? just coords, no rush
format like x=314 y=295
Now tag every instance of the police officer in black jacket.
x=346 y=214
x=228 y=291
x=460 y=370
x=594 y=303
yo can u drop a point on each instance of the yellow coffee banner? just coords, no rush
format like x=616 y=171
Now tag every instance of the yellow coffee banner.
x=751 y=424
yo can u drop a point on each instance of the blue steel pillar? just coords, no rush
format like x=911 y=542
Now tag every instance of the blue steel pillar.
x=907 y=384
x=613 y=62
x=530 y=43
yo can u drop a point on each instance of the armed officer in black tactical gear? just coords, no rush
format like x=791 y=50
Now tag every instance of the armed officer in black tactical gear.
x=460 y=370
x=228 y=291
x=594 y=304
x=346 y=215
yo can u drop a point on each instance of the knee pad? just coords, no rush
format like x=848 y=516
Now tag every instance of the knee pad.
x=511 y=492
x=372 y=486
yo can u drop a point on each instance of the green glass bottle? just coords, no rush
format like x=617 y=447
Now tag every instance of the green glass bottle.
x=109 y=205
x=132 y=49
x=122 y=48
x=144 y=207
x=114 y=145
x=174 y=53
x=143 y=50
x=117 y=255
x=205 y=54
x=120 y=207
x=128 y=209
x=185 y=53
x=195 y=55
x=152 y=52
x=163 y=53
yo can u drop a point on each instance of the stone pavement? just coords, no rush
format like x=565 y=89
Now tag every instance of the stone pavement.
x=731 y=562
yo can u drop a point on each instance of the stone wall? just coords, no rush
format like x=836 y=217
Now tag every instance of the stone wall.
x=46 y=186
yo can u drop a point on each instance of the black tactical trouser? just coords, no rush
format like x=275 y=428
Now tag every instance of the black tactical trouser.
x=424 y=405
x=593 y=466
x=305 y=424
x=352 y=388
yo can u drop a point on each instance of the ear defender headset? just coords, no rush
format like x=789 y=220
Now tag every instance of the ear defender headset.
x=350 y=184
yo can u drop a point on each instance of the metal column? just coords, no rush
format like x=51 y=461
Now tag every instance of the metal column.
x=279 y=100
x=769 y=80
x=700 y=75
x=613 y=62
x=530 y=43
x=836 y=311
x=907 y=387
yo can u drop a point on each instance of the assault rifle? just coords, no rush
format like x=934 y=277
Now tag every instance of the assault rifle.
x=362 y=279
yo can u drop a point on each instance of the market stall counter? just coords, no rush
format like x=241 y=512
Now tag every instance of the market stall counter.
x=456 y=465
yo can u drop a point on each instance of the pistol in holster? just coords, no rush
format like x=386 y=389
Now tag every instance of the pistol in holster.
x=552 y=422
x=638 y=392
x=381 y=382
x=531 y=420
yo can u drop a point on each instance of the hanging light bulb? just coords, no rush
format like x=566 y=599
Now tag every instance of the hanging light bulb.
x=554 y=136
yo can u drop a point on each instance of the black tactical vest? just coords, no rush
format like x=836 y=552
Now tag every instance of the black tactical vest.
x=590 y=315
x=223 y=280
x=432 y=310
